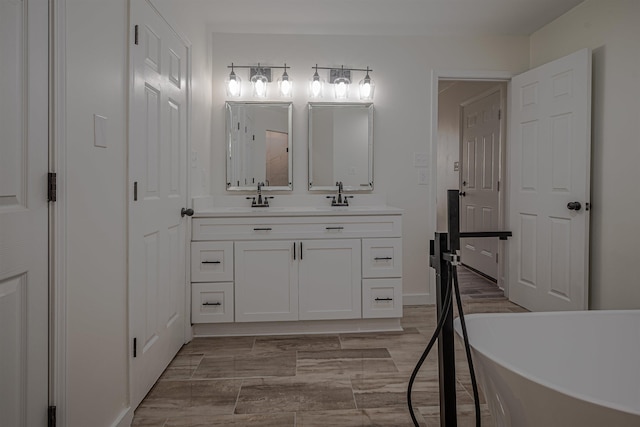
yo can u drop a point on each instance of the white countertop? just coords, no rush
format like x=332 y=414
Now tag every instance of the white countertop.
x=245 y=211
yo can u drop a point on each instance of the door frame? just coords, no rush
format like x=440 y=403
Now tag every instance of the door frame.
x=466 y=75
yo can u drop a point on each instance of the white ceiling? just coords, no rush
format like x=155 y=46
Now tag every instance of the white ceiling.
x=374 y=17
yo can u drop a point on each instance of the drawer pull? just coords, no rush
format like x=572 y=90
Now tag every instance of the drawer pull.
x=383 y=258
x=334 y=228
x=384 y=299
x=262 y=229
x=210 y=262
x=211 y=303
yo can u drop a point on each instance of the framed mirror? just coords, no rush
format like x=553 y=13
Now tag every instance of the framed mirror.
x=258 y=137
x=340 y=146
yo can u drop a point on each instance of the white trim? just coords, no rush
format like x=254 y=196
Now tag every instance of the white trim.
x=307 y=327
x=58 y=299
x=418 y=299
x=124 y=419
x=436 y=76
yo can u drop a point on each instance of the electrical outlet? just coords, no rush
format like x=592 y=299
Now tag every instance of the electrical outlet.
x=456 y=166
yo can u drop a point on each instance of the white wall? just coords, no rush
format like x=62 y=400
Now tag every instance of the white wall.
x=96 y=263
x=612 y=29
x=402 y=71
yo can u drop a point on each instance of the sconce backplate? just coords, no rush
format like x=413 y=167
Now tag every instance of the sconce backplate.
x=338 y=72
x=266 y=71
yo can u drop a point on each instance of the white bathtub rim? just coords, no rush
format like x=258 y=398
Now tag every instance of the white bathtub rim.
x=506 y=365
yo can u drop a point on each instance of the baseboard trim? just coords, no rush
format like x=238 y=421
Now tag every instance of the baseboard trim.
x=417 y=299
x=306 y=327
x=124 y=419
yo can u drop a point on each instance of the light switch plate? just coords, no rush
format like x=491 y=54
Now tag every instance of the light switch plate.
x=99 y=131
x=423 y=176
x=420 y=160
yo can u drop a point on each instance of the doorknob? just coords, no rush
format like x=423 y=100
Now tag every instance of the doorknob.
x=574 y=206
x=187 y=212
x=463 y=194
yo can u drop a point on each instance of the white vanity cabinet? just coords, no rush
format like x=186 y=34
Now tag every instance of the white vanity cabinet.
x=297 y=270
x=266 y=285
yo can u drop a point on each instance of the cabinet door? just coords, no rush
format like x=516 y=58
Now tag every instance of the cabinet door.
x=330 y=279
x=266 y=281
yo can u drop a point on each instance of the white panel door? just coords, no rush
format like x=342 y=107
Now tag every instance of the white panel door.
x=158 y=184
x=24 y=308
x=330 y=279
x=266 y=281
x=479 y=202
x=549 y=164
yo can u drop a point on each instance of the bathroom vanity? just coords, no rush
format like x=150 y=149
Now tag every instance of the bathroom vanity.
x=296 y=269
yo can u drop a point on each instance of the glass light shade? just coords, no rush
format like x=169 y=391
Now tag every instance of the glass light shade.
x=367 y=87
x=316 y=86
x=341 y=87
x=285 y=85
x=259 y=83
x=233 y=85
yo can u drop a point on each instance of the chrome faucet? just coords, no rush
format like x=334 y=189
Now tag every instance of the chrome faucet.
x=258 y=201
x=339 y=199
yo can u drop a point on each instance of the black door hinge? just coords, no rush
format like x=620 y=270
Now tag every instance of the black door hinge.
x=51 y=187
x=135 y=347
x=135 y=191
x=52 y=417
x=135 y=34
x=499 y=114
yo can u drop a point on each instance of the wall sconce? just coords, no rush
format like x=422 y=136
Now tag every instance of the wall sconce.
x=285 y=85
x=367 y=87
x=316 y=85
x=233 y=84
x=340 y=78
x=259 y=76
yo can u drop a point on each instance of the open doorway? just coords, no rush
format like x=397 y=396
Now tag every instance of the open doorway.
x=471 y=141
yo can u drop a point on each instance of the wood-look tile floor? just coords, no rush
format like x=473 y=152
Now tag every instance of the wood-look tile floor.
x=337 y=380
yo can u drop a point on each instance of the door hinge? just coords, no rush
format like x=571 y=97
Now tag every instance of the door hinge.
x=499 y=114
x=498 y=186
x=497 y=258
x=135 y=347
x=52 y=189
x=135 y=35
x=52 y=417
x=135 y=191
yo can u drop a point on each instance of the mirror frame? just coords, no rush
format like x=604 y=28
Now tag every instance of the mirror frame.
x=228 y=128
x=365 y=106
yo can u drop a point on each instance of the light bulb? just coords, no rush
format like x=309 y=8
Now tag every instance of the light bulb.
x=316 y=88
x=285 y=87
x=261 y=88
x=366 y=90
x=341 y=90
x=234 y=87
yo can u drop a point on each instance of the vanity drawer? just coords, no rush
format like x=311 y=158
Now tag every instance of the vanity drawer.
x=382 y=257
x=381 y=298
x=302 y=227
x=211 y=302
x=211 y=261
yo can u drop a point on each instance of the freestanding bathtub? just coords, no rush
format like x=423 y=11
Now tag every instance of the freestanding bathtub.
x=564 y=369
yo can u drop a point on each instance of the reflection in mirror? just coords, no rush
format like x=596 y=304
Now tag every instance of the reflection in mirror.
x=340 y=146
x=258 y=145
